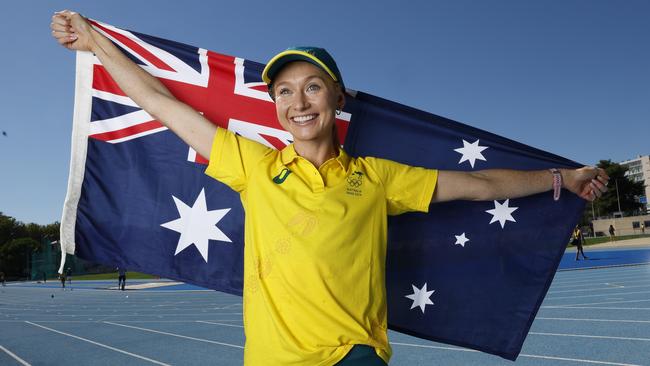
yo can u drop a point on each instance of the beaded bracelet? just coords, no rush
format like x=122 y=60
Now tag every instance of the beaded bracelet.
x=557 y=183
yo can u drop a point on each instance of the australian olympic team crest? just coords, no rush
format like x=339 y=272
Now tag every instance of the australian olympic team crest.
x=355 y=181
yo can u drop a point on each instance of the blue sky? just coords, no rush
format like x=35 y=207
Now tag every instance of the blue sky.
x=570 y=77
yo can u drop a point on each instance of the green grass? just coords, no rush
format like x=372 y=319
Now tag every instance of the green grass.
x=113 y=276
x=605 y=239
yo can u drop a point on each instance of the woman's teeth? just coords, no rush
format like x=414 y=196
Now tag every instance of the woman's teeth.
x=303 y=119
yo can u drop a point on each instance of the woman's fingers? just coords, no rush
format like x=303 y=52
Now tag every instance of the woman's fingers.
x=59 y=27
x=60 y=20
x=599 y=186
x=595 y=190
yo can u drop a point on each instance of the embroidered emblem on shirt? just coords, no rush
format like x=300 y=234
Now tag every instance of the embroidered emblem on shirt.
x=280 y=178
x=355 y=181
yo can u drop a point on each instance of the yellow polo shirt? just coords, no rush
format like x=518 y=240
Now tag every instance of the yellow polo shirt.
x=315 y=247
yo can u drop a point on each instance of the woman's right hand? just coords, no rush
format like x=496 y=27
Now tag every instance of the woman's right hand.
x=72 y=30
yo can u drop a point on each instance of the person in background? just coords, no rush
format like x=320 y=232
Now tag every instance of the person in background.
x=612 y=233
x=578 y=240
x=62 y=279
x=68 y=274
x=643 y=228
x=121 y=278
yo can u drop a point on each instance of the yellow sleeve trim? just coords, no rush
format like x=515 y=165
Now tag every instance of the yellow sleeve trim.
x=215 y=152
x=427 y=191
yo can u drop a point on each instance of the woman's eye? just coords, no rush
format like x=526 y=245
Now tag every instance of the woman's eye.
x=313 y=88
x=283 y=91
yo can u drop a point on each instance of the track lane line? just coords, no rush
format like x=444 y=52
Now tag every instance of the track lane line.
x=215 y=323
x=175 y=335
x=597 y=320
x=604 y=303
x=590 y=289
x=99 y=344
x=591 y=336
x=597 y=295
x=525 y=355
x=591 y=307
x=15 y=357
x=623 y=282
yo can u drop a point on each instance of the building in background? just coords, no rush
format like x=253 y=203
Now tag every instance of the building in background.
x=639 y=171
x=630 y=225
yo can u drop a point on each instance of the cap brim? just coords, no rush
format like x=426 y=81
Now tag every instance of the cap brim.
x=282 y=58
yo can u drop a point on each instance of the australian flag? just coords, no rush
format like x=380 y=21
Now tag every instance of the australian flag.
x=471 y=274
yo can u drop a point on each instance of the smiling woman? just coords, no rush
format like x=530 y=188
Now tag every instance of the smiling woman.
x=316 y=218
x=306 y=99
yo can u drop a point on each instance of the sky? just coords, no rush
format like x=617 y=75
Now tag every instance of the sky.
x=569 y=77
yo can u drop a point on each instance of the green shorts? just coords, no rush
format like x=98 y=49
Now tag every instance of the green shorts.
x=361 y=355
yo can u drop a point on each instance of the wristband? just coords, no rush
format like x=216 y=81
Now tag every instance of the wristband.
x=557 y=183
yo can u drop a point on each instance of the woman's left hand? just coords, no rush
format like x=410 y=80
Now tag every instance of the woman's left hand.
x=587 y=182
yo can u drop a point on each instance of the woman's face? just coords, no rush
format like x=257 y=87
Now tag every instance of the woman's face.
x=306 y=99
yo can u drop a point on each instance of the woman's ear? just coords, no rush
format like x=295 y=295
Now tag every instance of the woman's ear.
x=340 y=102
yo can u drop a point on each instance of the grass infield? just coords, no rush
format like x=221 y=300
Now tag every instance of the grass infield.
x=605 y=239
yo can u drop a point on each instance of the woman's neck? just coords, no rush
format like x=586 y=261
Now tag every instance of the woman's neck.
x=315 y=152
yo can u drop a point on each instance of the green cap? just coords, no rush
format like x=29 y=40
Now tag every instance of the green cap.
x=314 y=55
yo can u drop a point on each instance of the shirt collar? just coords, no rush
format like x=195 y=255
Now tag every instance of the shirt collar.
x=289 y=154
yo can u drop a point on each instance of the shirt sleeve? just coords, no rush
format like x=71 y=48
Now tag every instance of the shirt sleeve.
x=407 y=188
x=233 y=157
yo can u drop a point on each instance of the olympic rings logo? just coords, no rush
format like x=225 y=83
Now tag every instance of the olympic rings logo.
x=355 y=180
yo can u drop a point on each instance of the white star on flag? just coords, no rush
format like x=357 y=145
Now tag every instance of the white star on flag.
x=197 y=225
x=502 y=213
x=471 y=152
x=461 y=239
x=420 y=297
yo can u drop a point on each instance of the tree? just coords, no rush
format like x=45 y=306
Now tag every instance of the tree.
x=628 y=193
x=51 y=231
x=18 y=241
x=16 y=256
x=9 y=228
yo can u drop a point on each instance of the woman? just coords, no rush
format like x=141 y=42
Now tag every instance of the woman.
x=315 y=226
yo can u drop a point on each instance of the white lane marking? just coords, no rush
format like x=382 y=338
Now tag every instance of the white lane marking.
x=13 y=355
x=578 y=360
x=123 y=321
x=215 y=323
x=520 y=355
x=597 y=289
x=595 y=320
x=176 y=335
x=626 y=279
x=99 y=344
x=130 y=315
x=602 y=303
x=592 y=307
x=590 y=277
x=591 y=336
x=583 y=296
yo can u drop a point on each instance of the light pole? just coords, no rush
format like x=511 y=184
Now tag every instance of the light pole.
x=618 y=199
x=593 y=218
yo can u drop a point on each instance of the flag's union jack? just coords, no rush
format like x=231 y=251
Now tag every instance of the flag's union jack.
x=226 y=90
